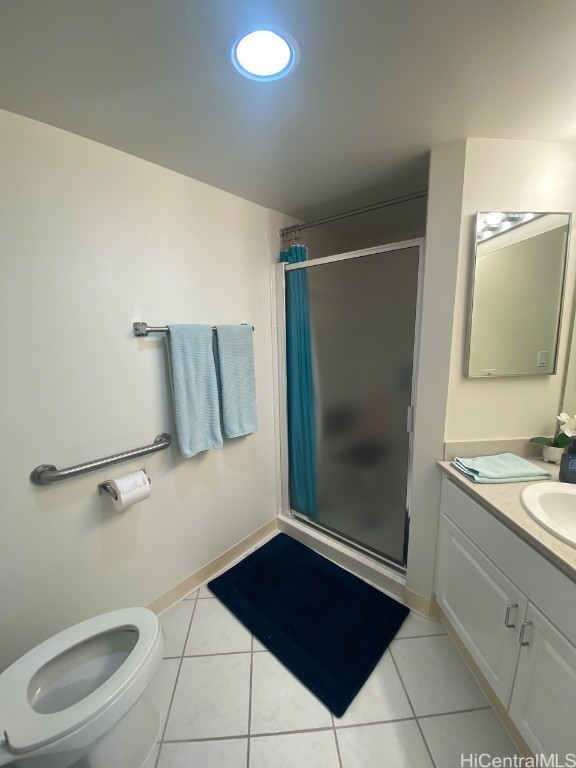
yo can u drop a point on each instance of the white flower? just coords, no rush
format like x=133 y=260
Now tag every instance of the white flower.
x=567 y=424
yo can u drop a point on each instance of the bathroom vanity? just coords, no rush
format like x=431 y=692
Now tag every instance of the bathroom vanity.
x=507 y=589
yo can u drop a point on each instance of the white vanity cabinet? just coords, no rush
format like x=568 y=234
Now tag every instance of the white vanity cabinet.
x=543 y=705
x=482 y=605
x=516 y=615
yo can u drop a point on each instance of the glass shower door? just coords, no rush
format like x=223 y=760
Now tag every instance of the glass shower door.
x=362 y=313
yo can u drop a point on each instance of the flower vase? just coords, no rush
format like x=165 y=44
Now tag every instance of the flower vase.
x=552 y=454
x=568 y=465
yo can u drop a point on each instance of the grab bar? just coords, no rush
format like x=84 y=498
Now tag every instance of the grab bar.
x=44 y=474
x=143 y=329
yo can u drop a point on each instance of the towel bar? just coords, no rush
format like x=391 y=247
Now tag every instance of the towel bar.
x=143 y=329
x=44 y=474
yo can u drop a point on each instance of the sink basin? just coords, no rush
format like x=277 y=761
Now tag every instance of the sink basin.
x=553 y=506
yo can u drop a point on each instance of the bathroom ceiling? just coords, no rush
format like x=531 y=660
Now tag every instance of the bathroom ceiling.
x=378 y=84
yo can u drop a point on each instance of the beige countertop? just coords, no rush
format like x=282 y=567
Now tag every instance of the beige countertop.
x=503 y=501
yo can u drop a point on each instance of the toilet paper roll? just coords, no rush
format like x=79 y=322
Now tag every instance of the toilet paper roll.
x=130 y=489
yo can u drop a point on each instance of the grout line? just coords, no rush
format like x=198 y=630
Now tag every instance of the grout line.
x=425 y=742
x=175 y=684
x=203 y=655
x=200 y=739
x=338 y=748
x=454 y=712
x=336 y=740
x=374 y=722
x=417 y=637
x=245 y=736
x=250 y=701
x=412 y=708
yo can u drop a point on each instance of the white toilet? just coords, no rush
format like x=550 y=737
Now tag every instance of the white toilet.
x=78 y=698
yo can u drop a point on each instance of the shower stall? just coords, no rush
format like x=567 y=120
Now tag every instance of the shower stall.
x=350 y=323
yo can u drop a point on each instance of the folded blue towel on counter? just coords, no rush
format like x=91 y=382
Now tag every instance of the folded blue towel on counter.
x=194 y=388
x=235 y=358
x=500 y=468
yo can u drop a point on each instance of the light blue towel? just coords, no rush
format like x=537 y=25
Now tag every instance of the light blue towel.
x=500 y=468
x=235 y=355
x=194 y=388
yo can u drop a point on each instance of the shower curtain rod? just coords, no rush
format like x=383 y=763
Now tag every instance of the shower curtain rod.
x=355 y=212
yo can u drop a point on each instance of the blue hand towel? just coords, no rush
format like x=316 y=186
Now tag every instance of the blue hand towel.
x=235 y=355
x=194 y=388
x=500 y=468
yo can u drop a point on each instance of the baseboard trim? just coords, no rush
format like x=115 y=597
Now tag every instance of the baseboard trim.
x=497 y=706
x=214 y=567
x=422 y=605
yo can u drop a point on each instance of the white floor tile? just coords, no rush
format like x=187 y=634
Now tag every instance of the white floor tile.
x=211 y=698
x=175 y=623
x=225 y=753
x=211 y=701
x=389 y=745
x=215 y=630
x=466 y=733
x=280 y=702
x=316 y=749
x=381 y=698
x=436 y=678
x=192 y=595
x=162 y=687
x=418 y=626
x=258 y=645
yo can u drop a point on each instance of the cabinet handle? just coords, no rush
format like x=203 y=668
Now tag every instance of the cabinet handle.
x=509 y=608
x=523 y=630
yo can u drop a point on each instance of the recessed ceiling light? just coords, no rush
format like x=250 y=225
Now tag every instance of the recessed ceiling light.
x=265 y=55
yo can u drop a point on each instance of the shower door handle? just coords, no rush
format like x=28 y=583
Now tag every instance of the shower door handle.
x=410 y=419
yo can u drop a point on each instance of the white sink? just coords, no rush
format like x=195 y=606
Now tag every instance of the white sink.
x=553 y=506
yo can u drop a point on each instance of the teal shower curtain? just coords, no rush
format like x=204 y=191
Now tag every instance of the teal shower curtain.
x=300 y=387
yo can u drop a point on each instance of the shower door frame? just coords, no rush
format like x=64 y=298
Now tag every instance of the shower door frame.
x=286 y=511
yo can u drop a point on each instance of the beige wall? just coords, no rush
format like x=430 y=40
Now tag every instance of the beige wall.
x=508 y=176
x=93 y=239
x=439 y=285
x=466 y=176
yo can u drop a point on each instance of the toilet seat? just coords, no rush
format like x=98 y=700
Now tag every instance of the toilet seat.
x=25 y=729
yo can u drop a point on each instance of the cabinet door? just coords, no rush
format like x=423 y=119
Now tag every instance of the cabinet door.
x=483 y=606
x=543 y=704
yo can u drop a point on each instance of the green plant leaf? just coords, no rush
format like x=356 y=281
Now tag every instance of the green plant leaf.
x=561 y=440
x=542 y=440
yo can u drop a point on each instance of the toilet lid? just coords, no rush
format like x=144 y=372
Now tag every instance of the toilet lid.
x=24 y=728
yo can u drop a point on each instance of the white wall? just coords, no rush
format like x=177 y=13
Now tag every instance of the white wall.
x=508 y=176
x=93 y=239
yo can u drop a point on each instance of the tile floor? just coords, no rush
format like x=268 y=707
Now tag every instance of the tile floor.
x=227 y=703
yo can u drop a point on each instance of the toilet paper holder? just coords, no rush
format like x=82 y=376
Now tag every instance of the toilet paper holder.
x=106 y=487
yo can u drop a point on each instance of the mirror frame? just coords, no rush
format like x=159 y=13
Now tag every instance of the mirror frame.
x=472 y=276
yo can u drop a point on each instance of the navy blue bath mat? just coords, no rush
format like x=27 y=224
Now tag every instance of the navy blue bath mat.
x=325 y=625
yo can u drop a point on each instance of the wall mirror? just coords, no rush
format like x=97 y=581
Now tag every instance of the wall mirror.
x=516 y=293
